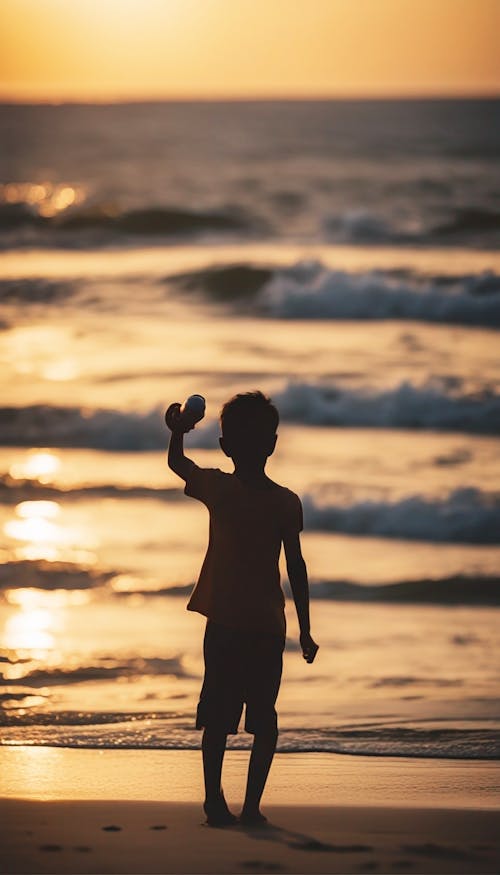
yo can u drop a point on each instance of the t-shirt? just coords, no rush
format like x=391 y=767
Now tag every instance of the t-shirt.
x=239 y=583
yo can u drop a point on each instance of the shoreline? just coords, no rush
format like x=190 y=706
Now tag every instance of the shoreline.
x=54 y=773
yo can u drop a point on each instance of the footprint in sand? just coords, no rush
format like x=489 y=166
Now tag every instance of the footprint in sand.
x=50 y=848
x=159 y=826
x=428 y=849
x=261 y=866
x=315 y=845
x=82 y=849
x=111 y=828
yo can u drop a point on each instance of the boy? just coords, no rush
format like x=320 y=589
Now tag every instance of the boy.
x=239 y=592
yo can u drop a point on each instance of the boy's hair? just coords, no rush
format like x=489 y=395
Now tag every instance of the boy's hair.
x=249 y=416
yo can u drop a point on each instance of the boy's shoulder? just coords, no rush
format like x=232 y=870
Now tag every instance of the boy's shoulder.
x=284 y=491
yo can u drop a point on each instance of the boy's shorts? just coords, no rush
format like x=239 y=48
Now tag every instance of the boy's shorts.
x=241 y=667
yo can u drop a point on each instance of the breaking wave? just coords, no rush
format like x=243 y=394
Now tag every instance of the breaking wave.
x=82 y=427
x=309 y=290
x=467 y=516
x=431 y=406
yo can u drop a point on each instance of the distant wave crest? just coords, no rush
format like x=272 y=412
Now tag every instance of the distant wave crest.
x=150 y=220
x=28 y=674
x=368 y=227
x=14 y=490
x=41 y=574
x=458 y=589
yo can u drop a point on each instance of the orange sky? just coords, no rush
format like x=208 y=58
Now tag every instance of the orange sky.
x=119 y=49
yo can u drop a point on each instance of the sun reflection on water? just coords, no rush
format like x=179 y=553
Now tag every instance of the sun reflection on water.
x=45 y=198
x=36 y=523
x=29 y=628
x=32 y=626
x=43 y=534
x=40 y=464
x=44 y=351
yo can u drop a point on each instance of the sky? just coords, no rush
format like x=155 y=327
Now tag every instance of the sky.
x=52 y=50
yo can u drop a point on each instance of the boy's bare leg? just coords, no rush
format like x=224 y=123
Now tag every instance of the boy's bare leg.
x=213 y=747
x=263 y=748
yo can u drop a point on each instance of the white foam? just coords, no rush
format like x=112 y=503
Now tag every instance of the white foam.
x=406 y=406
x=311 y=291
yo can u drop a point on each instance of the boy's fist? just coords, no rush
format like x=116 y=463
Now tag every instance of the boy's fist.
x=309 y=647
x=173 y=417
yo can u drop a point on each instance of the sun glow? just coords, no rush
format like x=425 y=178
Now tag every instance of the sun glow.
x=160 y=49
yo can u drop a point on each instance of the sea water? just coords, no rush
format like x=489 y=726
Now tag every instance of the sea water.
x=340 y=256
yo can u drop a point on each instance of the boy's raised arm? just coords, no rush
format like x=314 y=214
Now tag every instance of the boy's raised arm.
x=177 y=461
x=297 y=575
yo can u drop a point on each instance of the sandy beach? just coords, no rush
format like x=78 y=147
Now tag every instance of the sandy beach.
x=139 y=812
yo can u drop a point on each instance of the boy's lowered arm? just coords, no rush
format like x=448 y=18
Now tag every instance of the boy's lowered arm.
x=177 y=461
x=297 y=575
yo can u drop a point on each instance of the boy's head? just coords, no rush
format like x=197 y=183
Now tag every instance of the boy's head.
x=248 y=423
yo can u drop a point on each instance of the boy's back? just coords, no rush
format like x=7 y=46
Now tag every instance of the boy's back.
x=239 y=592
x=239 y=583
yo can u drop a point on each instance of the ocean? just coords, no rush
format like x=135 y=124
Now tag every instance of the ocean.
x=340 y=256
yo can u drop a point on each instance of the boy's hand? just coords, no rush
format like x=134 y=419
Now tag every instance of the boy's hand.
x=309 y=647
x=172 y=417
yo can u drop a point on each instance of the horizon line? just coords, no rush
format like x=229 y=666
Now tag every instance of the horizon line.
x=108 y=100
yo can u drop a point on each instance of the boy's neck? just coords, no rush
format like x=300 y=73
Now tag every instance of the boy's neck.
x=251 y=472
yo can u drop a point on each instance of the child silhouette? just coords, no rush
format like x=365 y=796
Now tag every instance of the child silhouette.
x=239 y=592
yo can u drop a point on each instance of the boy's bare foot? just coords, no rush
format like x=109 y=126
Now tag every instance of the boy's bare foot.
x=218 y=813
x=252 y=818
